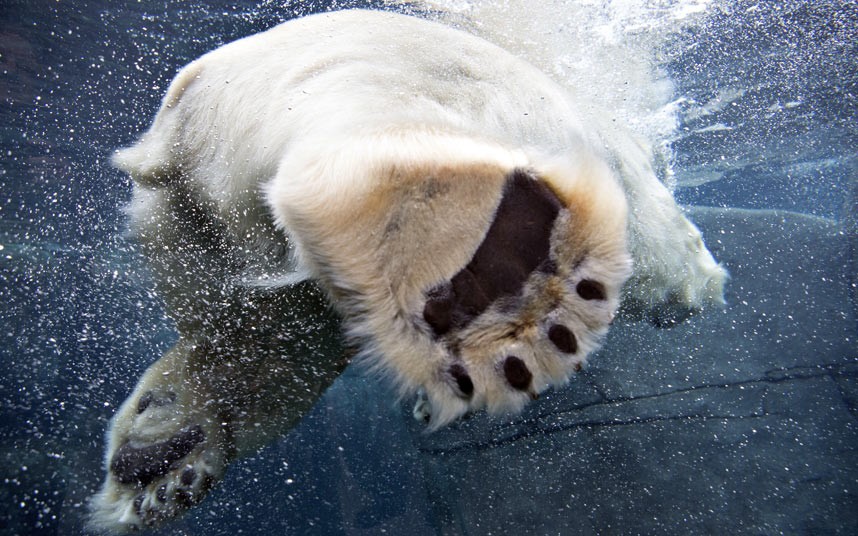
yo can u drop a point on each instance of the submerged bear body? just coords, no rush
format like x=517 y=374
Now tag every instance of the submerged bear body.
x=472 y=227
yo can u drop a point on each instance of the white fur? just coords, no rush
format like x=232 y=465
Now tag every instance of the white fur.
x=368 y=151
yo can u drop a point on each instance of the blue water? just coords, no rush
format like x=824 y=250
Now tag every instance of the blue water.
x=745 y=421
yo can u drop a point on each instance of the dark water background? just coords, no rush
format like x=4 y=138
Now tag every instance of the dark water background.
x=78 y=325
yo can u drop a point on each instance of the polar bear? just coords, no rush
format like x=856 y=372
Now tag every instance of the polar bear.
x=472 y=230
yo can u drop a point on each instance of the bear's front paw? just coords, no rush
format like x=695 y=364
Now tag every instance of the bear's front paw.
x=675 y=279
x=165 y=460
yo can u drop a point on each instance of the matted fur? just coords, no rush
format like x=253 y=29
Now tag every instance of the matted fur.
x=369 y=152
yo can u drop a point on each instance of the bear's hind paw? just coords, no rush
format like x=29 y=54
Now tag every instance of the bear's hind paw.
x=149 y=485
x=152 y=479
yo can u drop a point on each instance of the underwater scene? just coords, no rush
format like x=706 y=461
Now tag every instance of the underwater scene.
x=741 y=419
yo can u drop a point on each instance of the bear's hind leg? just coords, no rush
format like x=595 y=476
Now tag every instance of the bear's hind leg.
x=257 y=367
x=166 y=449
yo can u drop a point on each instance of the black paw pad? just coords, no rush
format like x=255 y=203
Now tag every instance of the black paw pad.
x=517 y=373
x=517 y=243
x=438 y=311
x=563 y=339
x=145 y=464
x=591 y=290
x=188 y=476
x=138 y=504
x=207 y=484
x=161 y=493
x=149 y=398
x=184 y=498
x=463 y=380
